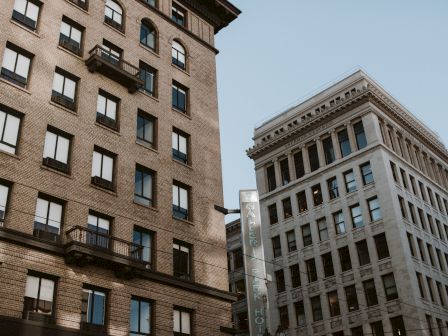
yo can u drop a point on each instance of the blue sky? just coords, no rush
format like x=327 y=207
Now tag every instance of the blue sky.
x=278 y=52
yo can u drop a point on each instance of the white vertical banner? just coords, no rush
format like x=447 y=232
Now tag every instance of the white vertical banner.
x=254 y=266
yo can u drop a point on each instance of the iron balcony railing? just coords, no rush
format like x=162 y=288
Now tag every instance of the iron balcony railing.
x=115 y=61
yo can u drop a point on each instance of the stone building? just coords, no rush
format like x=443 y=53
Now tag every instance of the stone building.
x=110 y=167
x=353 y=196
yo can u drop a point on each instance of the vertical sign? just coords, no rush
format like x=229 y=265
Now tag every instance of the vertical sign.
x=256 y=290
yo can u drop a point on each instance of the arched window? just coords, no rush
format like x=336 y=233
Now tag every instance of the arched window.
x=113 y=14
x=178 y=55
x=148 y=34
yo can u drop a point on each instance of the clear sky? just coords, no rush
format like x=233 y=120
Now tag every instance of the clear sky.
x=278 y=52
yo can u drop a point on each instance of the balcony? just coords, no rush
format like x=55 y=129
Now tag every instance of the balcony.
x=84 y=246
x=117 y=69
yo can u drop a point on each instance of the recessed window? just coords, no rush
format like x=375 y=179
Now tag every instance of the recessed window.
x=317 y=195
x=276 y=246
x=273 y=217
x=148 y=34
x=152 y=3
x=300 y=313
x=4 y=192
x=381 y=246
x=344 y=258
x=333 y=303
x=339 y=222
x=374 y=209
x=178 y=15
x=350 y=183
x=16 y=65
x=301 y=201
x=351 y=298
x=333 y=189
x=140 y=319
x=146 y=126
x=355 y=212
x=366 y=172
x=327 y=144
x=377 y=329
x=316 y=308
x=178 y=55
x=390 y=289
x=179 y=97
x=180 y=146
x=64 y=89
x=291 y=240
x=182 y=260
x=344 y=143
x=287 y=208
x=311 y=270
x=360 y=135
x=81 y=3
x=144 y=186
x=107 y=109
x=240 y=289
x=270 y=176
x=283 y=316
x=306 y=235
x=323 y=230
x=113 y=14
x=370 y=292
x=111 y=53
x=103 y=168
x=180 y=201
x=295 y=275
x=298 y=164
x=99 y=228
x=38 y=302
x=313 y=157
x=182 y=321
x=48 y=219
x=9 y=130
x=26 y=12
x=327 y=262
x=57 y=149
x=70 y=36
x=148 y=75
x=238 y=258
x=284 y=171
x=280 y=281
x=363 y=252
x=143 y=240
x=93 y=308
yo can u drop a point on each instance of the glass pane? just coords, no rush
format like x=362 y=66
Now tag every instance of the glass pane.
x=183 y=144
x=50 y=145
x=76 y=35
x=176 y=318
x=111 y=109
x=96 y=164
x=101 y=104
x=55 y=215
x=65 y=29
x=70 y=88
x=32 y=11
x=46 y=290
x=146 y=242
x=103 y=224
x=149 y=130
x=183 y=198
x=11 y=130
x=134 y=316
x=145 y=317
x=108 y=166
x=32 y=286
x=58 y=82
x=3 y=198
x=138 y=182
x=175 y=195
x=186 y=323
x=41 y=211
x=147 y=186
x=23 y=64
x=99 y=308
x=92 y=220
x=9 y=59
x=174 y=140
x=20 y=6
x=62 y=150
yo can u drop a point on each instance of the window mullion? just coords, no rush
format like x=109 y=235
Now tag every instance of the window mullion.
x=4 y=127
x=56 y=147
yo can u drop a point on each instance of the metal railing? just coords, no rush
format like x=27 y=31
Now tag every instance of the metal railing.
x=114 y=61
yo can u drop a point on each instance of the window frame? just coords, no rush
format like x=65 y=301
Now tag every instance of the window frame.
x=150 y=118
x=367 y=178
x=23 y=19
x=101 y=181
x=145 y=27
x=176 y=272
x=46 y=234
x=11 y=75
x=6 y=146
x=151 y=316
x=177 y=210
x=175 y=52
x=59 y=97
x=67 y=42
x=103 y=118
x=85 y=325
x=53 y=162
x=191 y=316
x=47 y=318
x=142 y=199
x=176 y=88
x=110 y=20
x=147 y=71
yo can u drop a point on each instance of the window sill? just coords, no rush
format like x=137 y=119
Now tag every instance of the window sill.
x=184 y=221
x=15 y=156
x=183 y=113
x=107 y=128
x=150 y=50
x=180 y=69
x=148 y=95
x=146 y=145
x=113 y=193
x=14 y=85
x=146 y=206
x=56 y=171
x=74 y=5
x=369 y=186
x=63 y=108
x=24 y=28
x=79 y=57
x=114 y=29
x=183 y=164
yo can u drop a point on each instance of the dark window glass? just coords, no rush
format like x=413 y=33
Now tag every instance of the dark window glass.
x=181 y=260
x=366 y=172
x=148 y=75
x=276 y=246
x=240 y=289
x=181 y=202
x=323 y=230
x=298 y=163
x=357 y=331
x=93 y=306
x=70 y=36
x=317 y=194
x=273 y=217
x=333 y=189
x=242 y=321
x=144 y=186
x=284 y=171
x=350 y=183
x=179 y=142
x=300 y=313
x=311 y=270
x=361 y=140
x=381 y=246
x=313 y=157
x=363 y=252
x=352 y=298
x=356 y=214
x=389 y=287
x=26 y=12
x=316 y=308
x=333 y=303
x=146 y=128
x=327 y=262
x=370 y=292
x=284 y=318
x=64 y=89
x=287 y=209
x=142 y=248
x=344 y=143
x=339 y=222
x=178 y=55
x=148 y=35
x=306 y=234
x=344 y=257
x=301 y=201
x=295 y=275
x=280 y=281
x=398 y=328
x=238 y=258
x=179 y=97
x=178 y=15
x=270 y=173
x=328 y=150
x=140 y=317
x=291 y=239
x=377 y=328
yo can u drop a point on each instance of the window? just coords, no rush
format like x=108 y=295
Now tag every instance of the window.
x=306 y=234
x=295 y=275
x=287 y=209
x=111 y=53
x=398 y=328
x=284 y=318
x=440 y=292
x=240 y=289
x=350 y=183
x=179 y=97
x=107 y=109
x=390 y=289
x=291 y=239
x=366 y=172
x=180 y=202
x=298 y=163
x=270 y=173
x=9 y=130
x=16 y=65
x=363 y=252
x=439 y=258
x=181 y=260
x=430 y=289
x=412 y=213
x=70 y=36
x=430 y=327
x=377 y=328
x=360 y=135
x=144 y=186
x=146 y=126
x=404 y=214
x=93 y=308
x=56 y=149
x=152 y=3
x=422 y=191
x=414 y=187
x=317 y=194
x=327 y=262
x=327 y=144
x=276 y=246
x=382 y=249
x=273 y=217
x=301 y=201
x=421 y=217
x=357 y=331
x=323 y=230
x=339 y=223
x=39 y=298
x=431 y=255
x=99 y=228
x=300 y=313
x=352 y=298
x=178 y=55
x=374 y=209
x=333 y=189
x=178 y=15
x=242 y=321
x=393 y=169
x=148 y=34
x=148 y=75
x=113 y=14
x=420 y=249
x=142 y=250
x=404 y=178
x=344 y=143
x=141 y=317
x=182 y=321
x=355 y=211
x=370 y=292
x=311 y=270
x=47 y=219
x=313 y=157
x=280 y=281
x=316 y=308
x=180 y=141
x=64 y=89
x=238 y=258
x=411 y=244
x=344 y=258
x=26 y=12
x=284 y=171
x=430 y=224
x=431 y=197
x=103 y=168
x=333 y=303
x=420 y=285
x=4 y=192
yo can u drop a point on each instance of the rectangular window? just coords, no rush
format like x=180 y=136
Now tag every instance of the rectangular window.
x=366 y=172
x=404 y=213
x=420 y=285
x=327 y=262
x=440 y=260
x=107 y=109
x=313 y=157
x=356 y=214
x=301 y=201
x=178 y=15
x=298 y=163
x=306 y=235
x=140 y=319
x=291 y=239
x=311 y=270
x=316 y=308
x=381 y=246
x=149 y=77
x=287 y=208
x=421 y=217
x=431 y=197
x=181 y=260
x=414 y=187
x=64 y=89
x=4 y=192
x=284 y=171
x=344 y=258
x=111 y=53
x=363 y=252
x=370 y=292
x=182 y=321
x=357 y=331
x=240 y=289
x=179 y=97
x=333 y=303
x=430 y=224
x=276 y=246
x=323 y=230
x=295 y=275
x=146 y=125
x=398 y=328
x=431 y=255
x=280 y=281
x=9 y=130
x=181 y=202
x=103 y=168
x=333 y=189
x=352 y=298
x=16 y=65
x=339 y=222
x=440 y=292
x=404 y=178
x=99 y=228
x=142 y=240
x=412 y=213
x=420 y=249
x=317 y=194
x=344 y=143
x=93 y=308
x=411 y=244
x=430 y=289
x=144 y=186
x=327 y=144
x=283 y=316
x=270 y=174
x=238 y=258
x=377 y=328
x=56 y=149
x=360 y=135
x=422 y=191
x=374 y=209
x=300 y=313
x=38 y=302
x=390 y=289
x=350 y=183
x=26 y=12
x=48 y=219
x=180 y=141
x=70 y=36
x=393 y=169
x=272 y=210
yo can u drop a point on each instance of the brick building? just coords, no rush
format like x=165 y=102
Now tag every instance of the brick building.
x=110 y=167
x=354 y=202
